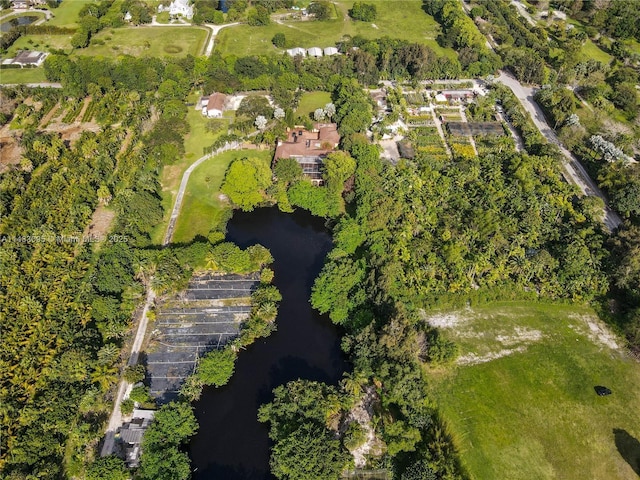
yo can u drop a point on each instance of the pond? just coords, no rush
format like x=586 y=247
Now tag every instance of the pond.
x=17 y=22
x=231 y=443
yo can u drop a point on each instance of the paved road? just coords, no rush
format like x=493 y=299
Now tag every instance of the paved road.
x=124 y=388
x=33 y=85
x=575 y=172
x=47 y=13
x=214 y=32
x=210 y=42
x=183 y=185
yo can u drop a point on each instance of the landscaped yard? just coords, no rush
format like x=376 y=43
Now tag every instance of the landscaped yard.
x=149 y=41
x=22 y=75
x=66 y=15
x=202 y=210
x=310 y=101
x=521 y=403
x=406 y=20
x=171 y=176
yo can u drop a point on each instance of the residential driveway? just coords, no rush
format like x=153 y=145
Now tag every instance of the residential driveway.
x=573 y=168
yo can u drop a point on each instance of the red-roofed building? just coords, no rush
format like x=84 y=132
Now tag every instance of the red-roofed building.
x=213 y=106
x=309 y=148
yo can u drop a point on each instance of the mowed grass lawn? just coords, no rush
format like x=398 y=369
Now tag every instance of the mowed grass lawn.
x=148 y=41
x=310 y=101
x=196 y=140
x=42 y=43
x=22 y=75
x=402 y=19
x=533 y=413
x=202 y=209
x=66 y=14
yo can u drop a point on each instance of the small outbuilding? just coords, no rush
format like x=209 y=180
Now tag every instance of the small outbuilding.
x=297 y=51
x=329 y=51
x=314 y=52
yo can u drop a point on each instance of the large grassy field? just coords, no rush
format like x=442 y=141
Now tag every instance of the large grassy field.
x=66 y=15
x=403 y=19
x=171 y=176
x=149 y=41
x=202 y=209
x=532 y=413
x=22 y=75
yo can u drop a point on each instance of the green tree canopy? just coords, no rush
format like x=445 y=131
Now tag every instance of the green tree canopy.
x=216 y=367
x=246 y=181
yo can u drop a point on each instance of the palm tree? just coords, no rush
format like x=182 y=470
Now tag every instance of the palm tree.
x=105 y=376
x=267 y=311
x=212 y=262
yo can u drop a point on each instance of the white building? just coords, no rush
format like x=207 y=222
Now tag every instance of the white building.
x=328 y=51
x=297 y=51
x=214 y=105
x=314 y=52
x=178 y=7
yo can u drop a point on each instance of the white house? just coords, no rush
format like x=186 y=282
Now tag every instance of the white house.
x=297 y=51
x=314 y=52
x=213 y=107
x=178 y=7
x=27 y=58
x=328 y=51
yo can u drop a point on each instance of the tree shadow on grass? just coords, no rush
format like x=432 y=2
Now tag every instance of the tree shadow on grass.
x=628 y=447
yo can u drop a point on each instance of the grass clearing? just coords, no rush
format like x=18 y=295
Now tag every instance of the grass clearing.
x=591 y=51
x=22 y=75
x=42 y=43
x=531 y=411
x=406 y=21
x=66 y=14
x=197 y=139
x=202 y=209
x=148 y=41
x=310 y=101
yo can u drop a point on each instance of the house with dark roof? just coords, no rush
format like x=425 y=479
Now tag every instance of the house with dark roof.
x=309 y=148
x=28 y=58
x=131 y=433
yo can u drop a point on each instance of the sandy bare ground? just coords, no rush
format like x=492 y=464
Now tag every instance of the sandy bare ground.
x=508 y=341
x=100 y=224
x=596 y=330
x=10 y=149
x=87 y=101
x=362 y=413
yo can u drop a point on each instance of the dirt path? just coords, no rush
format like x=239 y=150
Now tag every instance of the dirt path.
x=47 y=118
x=441 y=133
x=183 y=185
x=87 y=101
x=214 y=32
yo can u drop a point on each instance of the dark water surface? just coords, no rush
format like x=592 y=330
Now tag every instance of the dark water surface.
x=231 y=444
x=17 y=22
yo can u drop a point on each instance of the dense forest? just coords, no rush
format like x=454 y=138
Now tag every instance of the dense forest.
x=424 y=233
x=66 y=305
